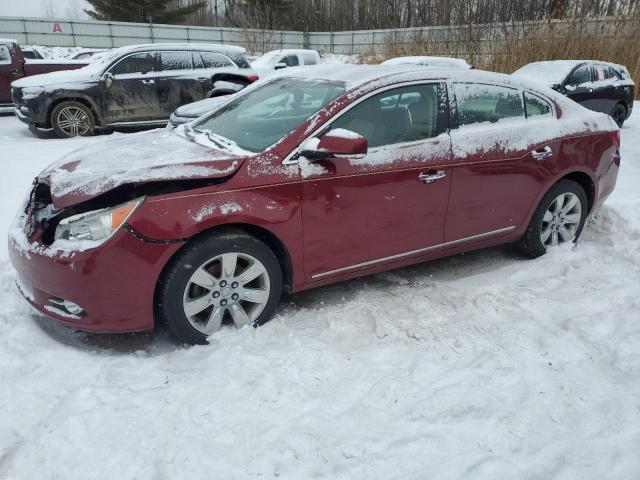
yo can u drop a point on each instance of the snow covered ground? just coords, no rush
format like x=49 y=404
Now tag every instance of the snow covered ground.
x=483 y=365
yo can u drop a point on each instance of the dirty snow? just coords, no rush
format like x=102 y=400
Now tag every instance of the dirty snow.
x=482 y=365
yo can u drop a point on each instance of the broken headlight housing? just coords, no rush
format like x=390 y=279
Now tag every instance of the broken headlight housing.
x=96 y=226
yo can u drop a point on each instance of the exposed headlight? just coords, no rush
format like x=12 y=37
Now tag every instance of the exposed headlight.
x=97 y=226
x=31 y=92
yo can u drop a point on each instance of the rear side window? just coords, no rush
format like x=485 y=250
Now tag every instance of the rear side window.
x=487 y=103
x=309 y=59
x=144 y=62
x=580 y=75
x=404 y=114
x=290 y=61
x=5 y=55
x=536 y=105
x=215 y=60
x=240 y=61
x=176 y=61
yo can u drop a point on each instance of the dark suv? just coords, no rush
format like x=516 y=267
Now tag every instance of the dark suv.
x=599 y=86
x=129 y=86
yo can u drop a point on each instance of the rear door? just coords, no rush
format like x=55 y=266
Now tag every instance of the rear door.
x=360 y=213
x=500 y=156
x=607 y=89
x=133 y=94
x=178 y=82
x=9 y=72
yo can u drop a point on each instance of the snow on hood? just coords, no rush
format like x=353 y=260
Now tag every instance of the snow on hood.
x=199 y=108
x=85 y=74
x=154 y=155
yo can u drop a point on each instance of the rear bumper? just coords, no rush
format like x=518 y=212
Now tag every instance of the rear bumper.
x=114 y=283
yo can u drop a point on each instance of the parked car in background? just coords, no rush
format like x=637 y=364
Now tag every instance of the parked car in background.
x=128 y=86
x=434 y=62
x=13 y=66
x=87 y=53
x=301 y=181
x=599 y=86
x=279 y=59
x=221 y=92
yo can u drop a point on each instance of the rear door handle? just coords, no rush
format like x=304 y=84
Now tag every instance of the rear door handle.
x=14 y=71
x=432 y=177
x=149 y=82
x=205 y=79
x=542 y=153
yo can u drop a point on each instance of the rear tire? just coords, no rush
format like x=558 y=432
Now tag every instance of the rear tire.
x=619 y=114
x=559 y=218
x=223 y=277
x=72 y=119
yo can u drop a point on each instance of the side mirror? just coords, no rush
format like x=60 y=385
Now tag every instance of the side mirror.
x=108 y=79
x=340 y=143
x=280 y=66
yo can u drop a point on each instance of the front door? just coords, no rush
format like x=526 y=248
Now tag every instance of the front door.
x=579 y=87
x=357 y=213
x=132 y=95
x=499 y=149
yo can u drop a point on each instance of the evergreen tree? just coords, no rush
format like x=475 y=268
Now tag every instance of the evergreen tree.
x=156 y=11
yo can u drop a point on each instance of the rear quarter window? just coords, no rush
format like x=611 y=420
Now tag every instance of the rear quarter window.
x=309 y=59
x=479 y=103
x=5 y=55
x=536 y=106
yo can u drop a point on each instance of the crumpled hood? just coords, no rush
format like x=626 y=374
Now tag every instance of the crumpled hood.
x=84 y=74
x=154 y=155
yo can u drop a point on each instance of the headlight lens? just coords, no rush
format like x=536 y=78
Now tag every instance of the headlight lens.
x=31 y=92
x=98 y=226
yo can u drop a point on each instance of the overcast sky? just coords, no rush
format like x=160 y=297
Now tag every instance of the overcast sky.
x=41 y=8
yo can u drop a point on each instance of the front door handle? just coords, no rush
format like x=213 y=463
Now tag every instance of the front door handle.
x=14 y=71
x=205 y=79
x=542 y=153
x=149 y=82
x=432 y=177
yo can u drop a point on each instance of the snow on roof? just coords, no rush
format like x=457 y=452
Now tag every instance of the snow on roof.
x=181 y=46
x=552 y=72
x=8 y=40
x=430 y=61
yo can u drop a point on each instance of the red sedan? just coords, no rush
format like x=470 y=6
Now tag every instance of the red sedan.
x=313 y=177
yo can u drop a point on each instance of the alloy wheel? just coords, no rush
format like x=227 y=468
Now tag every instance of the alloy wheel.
x=561 y=220
x=232 y=287
x=73 y=121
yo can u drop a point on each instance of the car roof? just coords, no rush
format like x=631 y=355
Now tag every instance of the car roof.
x=8 y=40
x=356 y=76
x=214 y=47
x=293 y=50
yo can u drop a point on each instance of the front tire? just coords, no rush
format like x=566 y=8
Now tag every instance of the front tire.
x=72 y=119
x=559 y=218
x=224 y=277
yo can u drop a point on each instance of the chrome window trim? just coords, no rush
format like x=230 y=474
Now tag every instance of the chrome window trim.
x=415 y=252
x=288 y=161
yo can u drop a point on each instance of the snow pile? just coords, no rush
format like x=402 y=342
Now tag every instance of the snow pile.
x=483 y=365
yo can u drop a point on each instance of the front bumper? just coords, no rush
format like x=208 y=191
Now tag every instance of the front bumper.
x=114 y=283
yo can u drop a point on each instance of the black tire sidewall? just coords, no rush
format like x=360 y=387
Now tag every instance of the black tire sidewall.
x=60 y=106
x=623 y=110
x=531 y=243
x=171 y=286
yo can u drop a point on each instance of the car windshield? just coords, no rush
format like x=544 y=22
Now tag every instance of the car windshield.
x=263 y=115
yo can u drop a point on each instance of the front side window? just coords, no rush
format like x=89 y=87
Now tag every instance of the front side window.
x=215 y=60
x=261 y=116
x=290 y=61
x=144 y=62
x=579 y=76
x=404 y=114
x=536 y=105
x=479 y=103
x=5 y=55
x=176 y=60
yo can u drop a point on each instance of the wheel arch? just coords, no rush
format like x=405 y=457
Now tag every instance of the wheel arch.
x=86 y=101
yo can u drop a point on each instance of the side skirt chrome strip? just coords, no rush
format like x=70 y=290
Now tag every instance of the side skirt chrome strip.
x=415 y=252
x=140 y=123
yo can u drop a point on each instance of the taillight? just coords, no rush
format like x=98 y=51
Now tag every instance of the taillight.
x=252 y=78
x=633 y=89
x=616 y=137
